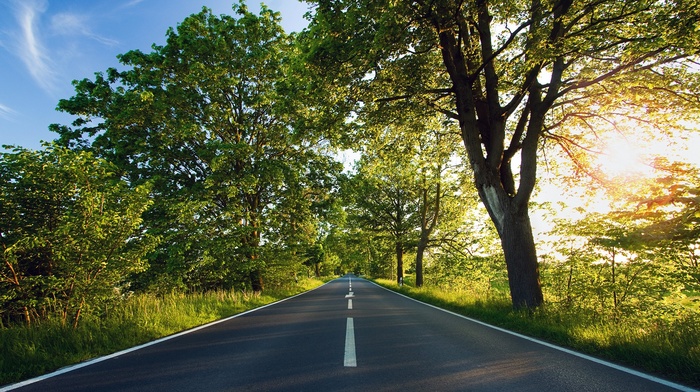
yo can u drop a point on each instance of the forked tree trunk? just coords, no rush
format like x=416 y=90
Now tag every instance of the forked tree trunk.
x=512 y=221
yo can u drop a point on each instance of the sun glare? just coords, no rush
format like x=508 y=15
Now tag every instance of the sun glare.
x=620 y=157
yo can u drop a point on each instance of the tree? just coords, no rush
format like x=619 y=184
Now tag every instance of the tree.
x=386 y=205
x=514 y=74
x=607 y=268
x=70 y=232
x=315 y=256
x=209 y=118
x=665 y=213
x=442 y=200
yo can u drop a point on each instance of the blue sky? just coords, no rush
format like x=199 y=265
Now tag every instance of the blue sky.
x=46 y=44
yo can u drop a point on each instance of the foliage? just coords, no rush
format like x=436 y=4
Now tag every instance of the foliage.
x=513 y=74
x=218 y=145
x=639 y=257
x=385 y=205
x=471 y=262
x=355 y=251
x=407 y=185
x=71 y=234
x=210 y=119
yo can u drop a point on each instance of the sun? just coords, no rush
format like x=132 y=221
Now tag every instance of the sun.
x=620 y=157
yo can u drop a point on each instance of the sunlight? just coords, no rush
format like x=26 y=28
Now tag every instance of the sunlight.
x=621 y=157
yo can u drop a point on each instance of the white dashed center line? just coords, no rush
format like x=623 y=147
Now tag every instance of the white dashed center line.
x=350 y=358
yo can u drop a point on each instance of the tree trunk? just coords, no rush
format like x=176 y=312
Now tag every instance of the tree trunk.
x=399 y=262
x=483 y=121
x=422 y=246
x=78 y=313
x=612 y=271
x=27 y=318
x=521 y=260
x=256 y=280
x=255 y=274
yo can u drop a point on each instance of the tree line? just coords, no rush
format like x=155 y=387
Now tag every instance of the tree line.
x=210 y=162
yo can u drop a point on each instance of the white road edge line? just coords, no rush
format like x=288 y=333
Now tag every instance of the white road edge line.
x=562 y=349
x=135 y=348
x=350 y=357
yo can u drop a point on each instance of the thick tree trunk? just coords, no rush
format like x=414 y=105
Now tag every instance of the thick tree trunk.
x=483 y=122
x=521 y=260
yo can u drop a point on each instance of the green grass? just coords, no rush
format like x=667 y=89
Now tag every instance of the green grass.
x=667 y=348
x=31 y=351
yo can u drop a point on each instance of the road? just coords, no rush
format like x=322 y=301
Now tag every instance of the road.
x=348 y=335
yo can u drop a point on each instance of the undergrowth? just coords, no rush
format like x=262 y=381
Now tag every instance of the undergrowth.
x=667 y=348
x=50 y=345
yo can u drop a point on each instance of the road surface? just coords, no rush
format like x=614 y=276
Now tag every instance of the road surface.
x=348 y=335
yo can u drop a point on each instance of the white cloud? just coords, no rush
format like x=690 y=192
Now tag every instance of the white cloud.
x=30 y=47
x=74 y=24
x=133 y=3
x=6 y=112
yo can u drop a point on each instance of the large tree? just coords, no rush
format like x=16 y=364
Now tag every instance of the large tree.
x=209 y=117
x=512 y=74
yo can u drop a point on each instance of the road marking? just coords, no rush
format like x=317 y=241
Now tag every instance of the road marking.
x=136 y=348
x=552 y=346
x=350 y=295
x=350 y=358
x=349 y=304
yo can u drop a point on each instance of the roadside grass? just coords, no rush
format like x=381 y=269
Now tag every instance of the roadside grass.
x=666 y=348
x=31 y=351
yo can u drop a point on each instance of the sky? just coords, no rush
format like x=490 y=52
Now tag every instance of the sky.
x=46 y=44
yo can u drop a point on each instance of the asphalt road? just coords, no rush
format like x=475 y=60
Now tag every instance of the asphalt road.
x=348 y=335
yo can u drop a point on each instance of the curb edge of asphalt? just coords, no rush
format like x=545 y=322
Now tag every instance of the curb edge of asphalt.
x=93 y=361
x=633 y=372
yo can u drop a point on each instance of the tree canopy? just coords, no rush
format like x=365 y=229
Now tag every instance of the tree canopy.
x=71 y=233
x=208 y=117
x=222 y=145
x=514 y=74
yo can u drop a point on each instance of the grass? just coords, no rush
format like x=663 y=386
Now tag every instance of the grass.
x=667 y=348
x=31 y=351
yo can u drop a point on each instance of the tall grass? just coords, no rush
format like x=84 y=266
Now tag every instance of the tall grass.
x=50 y=345
x=666 y=347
